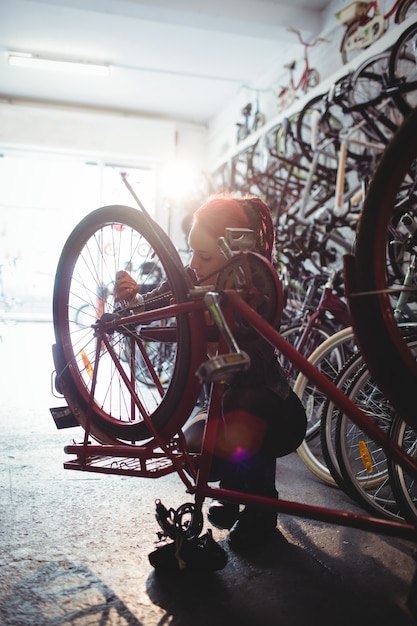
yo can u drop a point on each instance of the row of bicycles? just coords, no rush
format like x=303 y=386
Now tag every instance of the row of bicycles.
x=322 y=156
x=326 y=156
x=364 y=22
x=319 y=325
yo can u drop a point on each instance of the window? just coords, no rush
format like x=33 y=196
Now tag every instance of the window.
x=43 y=197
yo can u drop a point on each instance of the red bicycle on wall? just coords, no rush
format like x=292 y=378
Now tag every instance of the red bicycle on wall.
x=308 y=79
x=365 y=23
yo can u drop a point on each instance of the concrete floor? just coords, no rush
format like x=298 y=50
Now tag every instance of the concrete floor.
x=74 y=546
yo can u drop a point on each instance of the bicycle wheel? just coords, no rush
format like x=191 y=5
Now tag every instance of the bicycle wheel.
x=329 y=359
x=407 y=9
x=349 y=48
x=312 y=80
x=392 y=191
x=327 y=160
x=329 y=416
x=362 y=461
x=404 y=485
x=104 y=372
x=403 y=70
x=366 y=84
x=318 y=333
x=325 y=135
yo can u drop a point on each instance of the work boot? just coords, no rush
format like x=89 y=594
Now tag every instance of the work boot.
x=223 y=514
x=253 y=528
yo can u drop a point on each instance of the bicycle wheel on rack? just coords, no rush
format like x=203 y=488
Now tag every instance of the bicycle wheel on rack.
x=322 y=140
x=391 y=193
x=327 y=161
x=329 y=418
x=406 y=9
x=403 y=70
x=363 y=463
x=110 y=381
x=318 y=333
x=329 y=358
x=349 y=48
x=366 y=84
x=404 y=485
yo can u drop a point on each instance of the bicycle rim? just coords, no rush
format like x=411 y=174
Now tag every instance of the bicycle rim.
x=406 y=9
x=403 y=70
x=392 y=190
x=367 y=84
x=116 y=378
x=362 y=461
x=330 y=415
x=404 y=485
x=329 y=358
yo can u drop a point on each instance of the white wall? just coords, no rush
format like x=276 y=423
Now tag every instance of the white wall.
x=136 y=140
x=118 y=138
x=324 y=57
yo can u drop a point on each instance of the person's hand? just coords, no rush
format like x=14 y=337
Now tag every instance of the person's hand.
x=125 y=288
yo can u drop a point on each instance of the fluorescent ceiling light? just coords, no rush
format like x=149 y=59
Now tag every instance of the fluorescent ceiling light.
x=35 y=61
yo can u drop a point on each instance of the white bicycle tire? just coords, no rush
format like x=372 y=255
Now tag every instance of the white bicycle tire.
x=310 y=461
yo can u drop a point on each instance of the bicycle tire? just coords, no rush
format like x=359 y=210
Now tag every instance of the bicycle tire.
x=329 y=358
x=312 y=80
x=406 y=9
x=328 y=131
x=404 y=485
x=110 y=405
x=318 y=333
x=329 y=418
x=328 y=161
x=350 y=54
x=403 y=70
x=366 y=84
x=363 y=463
x=380 y=339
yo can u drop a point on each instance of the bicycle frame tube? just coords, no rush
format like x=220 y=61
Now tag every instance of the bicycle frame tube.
x=328 y=302
x=234 y=304
x=333 y=392
x=363 y=522
x=393 y=9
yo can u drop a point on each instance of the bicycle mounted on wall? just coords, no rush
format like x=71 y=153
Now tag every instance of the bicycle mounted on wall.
x=308 y=79
x=365 y=24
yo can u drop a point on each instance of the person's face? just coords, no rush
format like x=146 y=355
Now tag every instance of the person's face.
x=206 y=256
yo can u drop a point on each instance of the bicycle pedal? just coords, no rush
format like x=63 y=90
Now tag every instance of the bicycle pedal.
x=63 y=417
x=223 y=366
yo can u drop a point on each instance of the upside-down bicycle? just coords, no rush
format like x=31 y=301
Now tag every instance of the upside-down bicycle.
x=137 y=427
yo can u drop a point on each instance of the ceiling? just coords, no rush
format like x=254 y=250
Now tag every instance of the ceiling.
x=175 y=59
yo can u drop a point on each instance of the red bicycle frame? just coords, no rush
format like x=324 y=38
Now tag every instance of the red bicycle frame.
x=166 y=456
x=304 y=81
